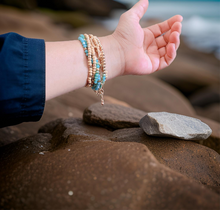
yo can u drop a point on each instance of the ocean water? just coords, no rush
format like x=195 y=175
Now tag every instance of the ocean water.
x=201 y=20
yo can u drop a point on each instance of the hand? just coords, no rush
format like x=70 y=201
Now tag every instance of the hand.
x=146 y=50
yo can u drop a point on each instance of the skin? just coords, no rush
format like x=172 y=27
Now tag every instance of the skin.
x=130 y=50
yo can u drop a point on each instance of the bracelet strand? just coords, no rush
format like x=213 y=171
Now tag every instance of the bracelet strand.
x=97 y=73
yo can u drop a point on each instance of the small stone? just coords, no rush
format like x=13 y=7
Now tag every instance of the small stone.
x=174 y=125
x=41 y=153
x=70 y=193
x=112 y=116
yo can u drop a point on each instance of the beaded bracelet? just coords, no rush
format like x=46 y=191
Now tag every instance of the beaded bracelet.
x=97 y=73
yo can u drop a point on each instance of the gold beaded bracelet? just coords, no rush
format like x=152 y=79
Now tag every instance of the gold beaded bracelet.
x=97 y=73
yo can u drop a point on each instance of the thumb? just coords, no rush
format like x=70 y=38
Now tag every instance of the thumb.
x=140 y=8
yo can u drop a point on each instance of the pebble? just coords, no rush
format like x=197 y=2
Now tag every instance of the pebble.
x=164 y=124
x=70 y=193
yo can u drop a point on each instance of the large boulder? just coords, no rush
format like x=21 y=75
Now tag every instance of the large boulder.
x=188 y=158
x=77 y=166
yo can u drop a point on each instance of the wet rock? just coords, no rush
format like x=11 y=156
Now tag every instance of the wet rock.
x=173 y=125
x=193 y=160
x=97 y=175
x=112 y=116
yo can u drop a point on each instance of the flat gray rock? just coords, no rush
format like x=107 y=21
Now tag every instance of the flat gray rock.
x=174 y=125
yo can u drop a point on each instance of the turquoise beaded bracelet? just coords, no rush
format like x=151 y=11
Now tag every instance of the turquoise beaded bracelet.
x=96 y=63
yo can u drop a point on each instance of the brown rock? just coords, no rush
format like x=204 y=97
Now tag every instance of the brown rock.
x=214 y=140
x=188 y=158
x=74 y=127
x=206 y=96
x=9 y=135
x=191 y=71
x=89 y=174
x=112 y=100
x=29 y=24
x=112 y=116
x=212 y=112
x=96 y=7
x=148 y=94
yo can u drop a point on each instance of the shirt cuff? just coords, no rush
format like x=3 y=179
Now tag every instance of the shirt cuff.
x=22 y=70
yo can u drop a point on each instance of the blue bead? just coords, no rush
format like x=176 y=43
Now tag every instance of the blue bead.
x=86 y=51
x=97 y=66
x=81 y=35
x=97 y=60
x=81 y=39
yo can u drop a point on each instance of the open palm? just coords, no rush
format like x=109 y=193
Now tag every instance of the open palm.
x=146 y=50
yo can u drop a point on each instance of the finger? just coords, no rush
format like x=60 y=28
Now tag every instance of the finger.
x=140 y=8
x=163 y=40
x=162 y=51
x=177 y=26
x=169 y=56
x=160 y=28
x=174 y=38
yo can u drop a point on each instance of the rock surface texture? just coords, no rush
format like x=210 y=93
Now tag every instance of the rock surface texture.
x=72 y=165
x=112 y=116
x=174 y=125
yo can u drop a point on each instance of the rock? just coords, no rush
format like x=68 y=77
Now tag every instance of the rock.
x=29 y=145
x=173 y=125
x=112 y=116
x=148 y=94
x=29 y=24
x=97 y=7
x=112 y=100
x=193 y=160
x=9 y=135
x=215 y=126
x=213 y=141
x=212 y=111
x=191 y=71
x=206 y=102
x=94 y=174
x=72 y=129
x=27 y=4
x=206 y=96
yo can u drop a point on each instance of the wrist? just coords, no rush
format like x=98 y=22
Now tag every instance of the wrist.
x=114 y=56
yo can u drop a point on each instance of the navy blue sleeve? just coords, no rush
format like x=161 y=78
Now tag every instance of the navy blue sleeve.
x=22 y=79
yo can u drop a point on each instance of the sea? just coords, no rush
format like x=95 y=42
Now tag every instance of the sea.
x=201 y=20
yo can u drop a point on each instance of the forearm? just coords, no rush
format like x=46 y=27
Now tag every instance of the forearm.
x=67 y=69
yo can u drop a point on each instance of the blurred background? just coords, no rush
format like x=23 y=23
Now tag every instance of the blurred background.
x=195 y=73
